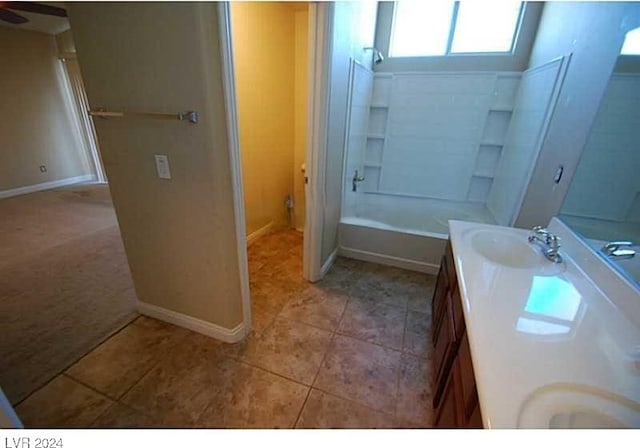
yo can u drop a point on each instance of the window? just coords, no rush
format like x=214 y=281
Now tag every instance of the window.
x=440 y=28
x=631 y=44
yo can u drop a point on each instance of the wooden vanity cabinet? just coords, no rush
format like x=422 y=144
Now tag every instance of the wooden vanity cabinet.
x=455 y=400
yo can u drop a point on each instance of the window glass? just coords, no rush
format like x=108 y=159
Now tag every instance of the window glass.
x=631 y=44
x=420 y=28
x=485 y=27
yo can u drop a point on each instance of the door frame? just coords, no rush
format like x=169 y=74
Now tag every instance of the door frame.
x=75 y=84
x=320 y=49
x=320 y=33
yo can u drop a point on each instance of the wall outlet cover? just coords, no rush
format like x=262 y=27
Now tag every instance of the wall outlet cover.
x=162 y=166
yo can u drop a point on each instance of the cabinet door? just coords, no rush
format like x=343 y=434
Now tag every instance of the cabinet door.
x=448 y=414
x=438 y=301
x=443 y=351
x=458 y=313
x=475 y=421
x=469 y=398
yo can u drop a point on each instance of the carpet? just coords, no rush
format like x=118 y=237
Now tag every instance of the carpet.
x=65 y=284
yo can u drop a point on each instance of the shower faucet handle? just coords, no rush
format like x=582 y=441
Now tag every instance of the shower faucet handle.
x=355 y=180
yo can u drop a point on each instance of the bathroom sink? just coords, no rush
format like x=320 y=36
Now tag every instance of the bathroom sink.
x=508 y=248
x=576 y=406
x=504 y=248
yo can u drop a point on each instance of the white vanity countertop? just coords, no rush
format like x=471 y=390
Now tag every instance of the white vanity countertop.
x=546 y=342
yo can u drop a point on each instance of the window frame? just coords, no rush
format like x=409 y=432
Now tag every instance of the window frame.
x=452 y=31
x=514 y=60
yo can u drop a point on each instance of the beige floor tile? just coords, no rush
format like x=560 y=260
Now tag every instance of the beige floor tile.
x=253 y=398
x=414 y=391
x=417 y=336
x=380 y=324
x=317 y=307
x=290 y=349
x=178 y=390
x=117 y=364
x=270 y=296
x=324 y=411
x=420 y=298
x=119 y=416
x=261 y=321
x=362 y=372
x=63 y=403
x=380 y=292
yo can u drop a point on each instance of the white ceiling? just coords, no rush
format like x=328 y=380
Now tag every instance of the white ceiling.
x=41 y=22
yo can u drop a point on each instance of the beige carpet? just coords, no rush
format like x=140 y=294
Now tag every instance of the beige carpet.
x=65 y=283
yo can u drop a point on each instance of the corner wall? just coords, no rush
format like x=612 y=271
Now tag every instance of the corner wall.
x=38 y=125
x=179 y=234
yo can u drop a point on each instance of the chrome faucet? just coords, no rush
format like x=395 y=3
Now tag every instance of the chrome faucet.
x=616 y=249
x=355 y=180
x=548 y=242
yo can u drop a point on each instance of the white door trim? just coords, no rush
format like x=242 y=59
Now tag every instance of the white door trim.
x=233 y=143
x=320 y=47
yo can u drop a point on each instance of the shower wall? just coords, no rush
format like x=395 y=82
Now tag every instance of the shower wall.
x=441 y=133
x=430 y=145
x=534 y=106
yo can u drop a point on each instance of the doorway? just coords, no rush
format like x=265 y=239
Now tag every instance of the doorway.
x=269 y=45
x=65 y=282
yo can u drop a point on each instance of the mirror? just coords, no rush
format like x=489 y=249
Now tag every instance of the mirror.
x=603 y=201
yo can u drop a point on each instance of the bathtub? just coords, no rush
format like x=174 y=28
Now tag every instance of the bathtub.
x=410 y=233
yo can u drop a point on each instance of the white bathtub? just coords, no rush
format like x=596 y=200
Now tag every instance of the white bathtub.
x=410 y=233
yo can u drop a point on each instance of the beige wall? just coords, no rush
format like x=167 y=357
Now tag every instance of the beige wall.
x=263 y=50
x=592 y=32
x=37 y=125
x=301 y=95
x=179 y=234
x=64 y=42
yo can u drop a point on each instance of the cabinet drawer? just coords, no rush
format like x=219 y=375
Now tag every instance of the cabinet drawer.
x=450 y=266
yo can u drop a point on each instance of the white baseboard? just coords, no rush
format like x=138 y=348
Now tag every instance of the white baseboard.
x=231 y=336
x=262 y=231
x=389 y=260
x=327 y=264
x=46 y=185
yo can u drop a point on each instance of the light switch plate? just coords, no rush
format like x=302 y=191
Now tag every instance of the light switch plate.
x=162 y=166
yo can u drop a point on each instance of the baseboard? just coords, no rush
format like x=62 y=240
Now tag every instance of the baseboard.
x=327 y=264
x=262 y=231
x=232 y=335
x=389 y=260
x=46 y=186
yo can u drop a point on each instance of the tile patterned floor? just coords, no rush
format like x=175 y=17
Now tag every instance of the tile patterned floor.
x=350 y=351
